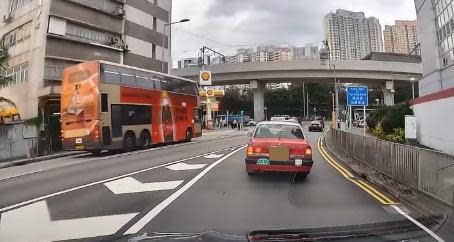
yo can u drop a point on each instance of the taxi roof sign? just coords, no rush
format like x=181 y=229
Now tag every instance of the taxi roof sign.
x=205 y=78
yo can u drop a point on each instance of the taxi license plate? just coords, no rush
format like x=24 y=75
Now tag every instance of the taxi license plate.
x=298 y=162
x=263 y=162
x=80 y=147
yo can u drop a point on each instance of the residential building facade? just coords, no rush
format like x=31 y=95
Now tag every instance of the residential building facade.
x=433 y=109
x=352 y=36
x=308 y=52
x=400 y=38
x=188 y=62
x=281 y=54
x=45 y=36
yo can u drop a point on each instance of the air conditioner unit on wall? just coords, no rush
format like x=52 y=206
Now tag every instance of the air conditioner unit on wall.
x=119 y=12
x=114 y=41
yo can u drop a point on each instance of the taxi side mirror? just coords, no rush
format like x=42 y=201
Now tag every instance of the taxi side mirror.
x=249 y=134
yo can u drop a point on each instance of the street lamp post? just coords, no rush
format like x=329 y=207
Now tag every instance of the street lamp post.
x=164 y=39
x=326 y=55
x=413 y=81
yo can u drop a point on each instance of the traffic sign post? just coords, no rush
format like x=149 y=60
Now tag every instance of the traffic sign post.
x=358 y=96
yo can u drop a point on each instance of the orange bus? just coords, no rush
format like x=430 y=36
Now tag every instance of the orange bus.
x=108 y=106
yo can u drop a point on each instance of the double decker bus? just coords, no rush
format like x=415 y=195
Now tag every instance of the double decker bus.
x=108 y=106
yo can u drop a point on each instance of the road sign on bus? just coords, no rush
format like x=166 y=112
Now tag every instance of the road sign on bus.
x=357 y=96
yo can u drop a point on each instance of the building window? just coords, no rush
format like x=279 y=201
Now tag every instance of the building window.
x=16 y=4
x=16 y=75
x=17 y=35
x=87 y=34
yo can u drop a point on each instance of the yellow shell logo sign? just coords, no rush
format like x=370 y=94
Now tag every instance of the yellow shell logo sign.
x=205 y=76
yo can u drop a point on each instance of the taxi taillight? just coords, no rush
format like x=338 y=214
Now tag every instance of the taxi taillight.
x=257 y=151
x=250 y=151
x=308 y=152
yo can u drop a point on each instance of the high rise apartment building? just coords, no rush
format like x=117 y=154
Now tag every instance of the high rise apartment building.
x=400 y=38
x=352 y=36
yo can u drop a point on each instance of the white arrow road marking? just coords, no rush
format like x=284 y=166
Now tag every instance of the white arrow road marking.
x=213 y=156
x=131 y=185
x=161 y=206
x=184 y=166
x=33 y=223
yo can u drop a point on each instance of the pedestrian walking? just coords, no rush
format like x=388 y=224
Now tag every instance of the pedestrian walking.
x=235 y=123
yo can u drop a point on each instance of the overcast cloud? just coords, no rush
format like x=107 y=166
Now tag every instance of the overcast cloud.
x=226 y=25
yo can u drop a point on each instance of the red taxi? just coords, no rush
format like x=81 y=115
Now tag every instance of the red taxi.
x=278 y=146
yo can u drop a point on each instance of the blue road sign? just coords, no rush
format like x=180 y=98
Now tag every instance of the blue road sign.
x=357 y=96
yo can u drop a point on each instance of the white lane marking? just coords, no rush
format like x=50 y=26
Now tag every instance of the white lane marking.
x=430 y=232
x=213 y=156
x=184 y=166
x=161 y=206
x=36 y=221
x=99 y=182
x=131 y=185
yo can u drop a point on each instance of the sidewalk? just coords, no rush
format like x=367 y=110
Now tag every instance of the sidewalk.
x=39 y=158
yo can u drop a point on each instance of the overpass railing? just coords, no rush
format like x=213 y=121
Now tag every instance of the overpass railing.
x=426 y=170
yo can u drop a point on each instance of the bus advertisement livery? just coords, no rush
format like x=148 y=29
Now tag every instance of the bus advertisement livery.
x=107 y=106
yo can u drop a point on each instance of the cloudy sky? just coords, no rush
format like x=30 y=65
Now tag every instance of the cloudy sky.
x=226 y=25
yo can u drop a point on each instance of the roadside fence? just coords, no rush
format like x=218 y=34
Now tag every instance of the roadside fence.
x=429 y=171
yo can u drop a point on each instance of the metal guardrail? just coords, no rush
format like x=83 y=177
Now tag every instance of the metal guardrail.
x=429 y=171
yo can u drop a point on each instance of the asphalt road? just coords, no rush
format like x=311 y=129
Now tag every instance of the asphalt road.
x=193 y=187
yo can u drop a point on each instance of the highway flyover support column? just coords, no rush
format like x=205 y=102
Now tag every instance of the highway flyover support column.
x=388 y=93
x=258 y=90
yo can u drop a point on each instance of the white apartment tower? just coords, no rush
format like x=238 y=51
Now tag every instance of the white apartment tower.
x=351 y=35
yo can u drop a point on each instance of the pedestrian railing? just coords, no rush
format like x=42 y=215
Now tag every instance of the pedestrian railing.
x=429 y=171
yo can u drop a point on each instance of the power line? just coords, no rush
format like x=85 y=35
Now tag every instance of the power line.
x=213 y=40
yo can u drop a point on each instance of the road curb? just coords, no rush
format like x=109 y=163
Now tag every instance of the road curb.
x=39 y=158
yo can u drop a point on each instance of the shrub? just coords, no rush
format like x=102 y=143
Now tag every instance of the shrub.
x=396 y=115
x=371 y=122
x=378 y=131
x=397 y=136
x=387 y=126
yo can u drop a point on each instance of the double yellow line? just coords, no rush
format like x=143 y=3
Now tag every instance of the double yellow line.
x=349 y=176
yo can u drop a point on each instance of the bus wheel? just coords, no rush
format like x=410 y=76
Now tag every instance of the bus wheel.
x=129 y=142
x=145 y=139
x=188 y=135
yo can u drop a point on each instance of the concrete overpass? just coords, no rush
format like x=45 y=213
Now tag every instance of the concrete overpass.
x=376 y=74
